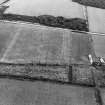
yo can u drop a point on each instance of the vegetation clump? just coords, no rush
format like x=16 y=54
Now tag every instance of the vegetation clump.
x=61 y=22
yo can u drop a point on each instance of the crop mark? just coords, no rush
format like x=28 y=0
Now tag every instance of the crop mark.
x=11 y=45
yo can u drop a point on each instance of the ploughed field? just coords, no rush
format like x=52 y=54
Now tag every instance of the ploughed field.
x=13 y=92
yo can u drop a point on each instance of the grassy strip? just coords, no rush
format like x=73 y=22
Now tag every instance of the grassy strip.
x=61 y=22
x=32 y=72
x=45 y=73
x=93 y=3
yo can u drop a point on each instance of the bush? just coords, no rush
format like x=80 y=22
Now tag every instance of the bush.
x=61 y=22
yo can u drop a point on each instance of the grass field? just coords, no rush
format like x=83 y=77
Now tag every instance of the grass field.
x=41 y=44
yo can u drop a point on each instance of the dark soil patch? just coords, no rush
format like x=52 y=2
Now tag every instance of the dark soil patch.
x=61 y=22
x=93 y=3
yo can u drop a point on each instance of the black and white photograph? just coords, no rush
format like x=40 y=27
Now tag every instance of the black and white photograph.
x=52 y=52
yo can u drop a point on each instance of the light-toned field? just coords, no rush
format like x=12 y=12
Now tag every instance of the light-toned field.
x=65 y=8
x=99 y=45
x=96 y=18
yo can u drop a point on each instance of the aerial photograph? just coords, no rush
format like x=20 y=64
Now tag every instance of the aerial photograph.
x=52 y=52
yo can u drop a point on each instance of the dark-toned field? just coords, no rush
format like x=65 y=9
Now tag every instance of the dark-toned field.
x=93 y=3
